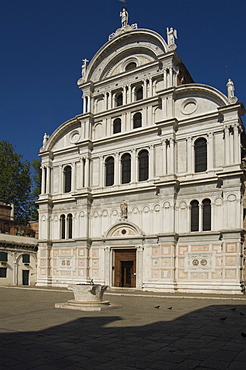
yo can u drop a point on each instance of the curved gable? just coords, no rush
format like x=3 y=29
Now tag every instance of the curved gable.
x=143 y=46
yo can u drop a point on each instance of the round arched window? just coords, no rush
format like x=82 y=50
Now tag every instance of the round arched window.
x=131 y=66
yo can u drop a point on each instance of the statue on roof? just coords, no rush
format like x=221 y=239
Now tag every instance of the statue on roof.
x=230 y=92
x=124 y=17
x=171 y=36
x=45 y=138
x=83 y=67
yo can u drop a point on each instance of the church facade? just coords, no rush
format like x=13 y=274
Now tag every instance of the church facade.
x=144 y=189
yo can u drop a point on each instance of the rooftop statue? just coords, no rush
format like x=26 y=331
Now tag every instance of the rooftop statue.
x=230 y=92
x=171 y=36
x=124 y=17
x=83 y=67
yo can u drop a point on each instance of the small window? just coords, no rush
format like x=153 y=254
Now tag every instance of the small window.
x=70 y=225
x=194 y=215
x=131 y=66
x=3 y=272
x=139 y=93
x=137 y=120
x=3 y=257
x=200 y=155
x=67 y=179
x=119 y=99
x=143 y=165
x=62 y=221
x=109 y=166
x=126 y=168
x=26 y=258
x=206 y=215
x=117 y=125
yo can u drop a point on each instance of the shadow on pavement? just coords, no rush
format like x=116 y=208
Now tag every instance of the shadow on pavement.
x=209 y=338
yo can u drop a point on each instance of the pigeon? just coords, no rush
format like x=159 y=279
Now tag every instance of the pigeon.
x=157 y=306
x=233 y=309
x=169 y=308
x=223 y=318
x=242 y=314
x=243 y=334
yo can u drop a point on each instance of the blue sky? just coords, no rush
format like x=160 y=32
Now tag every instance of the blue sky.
x=42 y=44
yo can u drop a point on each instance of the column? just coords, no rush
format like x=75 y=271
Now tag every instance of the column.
x=133 y=166
x=124 y=95
x=226 y=146
x=105 y=101
x=60 y=183
x=164 y=158
x=172 y=156
x=150 y=88
x=145 y=89
x=84 y=104
x=87 y=168
x=43 y=180
x=73 y=177
x=237 y=145
x=210 y=150
x=151 y=162
x=110 y=100
x=200 y=216
x=117 y=169
x=101 y=172
x=189 y=155
x=48 y=169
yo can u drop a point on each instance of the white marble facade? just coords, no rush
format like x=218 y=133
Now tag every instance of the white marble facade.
x=144 y=116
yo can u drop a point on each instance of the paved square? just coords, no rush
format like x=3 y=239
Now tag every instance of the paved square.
x=193 y=334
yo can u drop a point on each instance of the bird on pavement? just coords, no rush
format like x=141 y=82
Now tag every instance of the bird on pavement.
x=157 y=306
x=243 y=334
x=223 y=318
x=169 y=308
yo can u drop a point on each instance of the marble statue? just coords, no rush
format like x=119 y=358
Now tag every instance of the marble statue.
x=124 y=17
x=171 y=36
x=123 y=209
x=230 y=92
x=84 y=66
x=45 y=138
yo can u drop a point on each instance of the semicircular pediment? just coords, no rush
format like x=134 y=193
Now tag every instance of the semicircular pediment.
x=123 y=229
x=145 y=45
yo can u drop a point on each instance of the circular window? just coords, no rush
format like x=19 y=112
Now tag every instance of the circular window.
x=204 y=262
x=123 y=231
x=74 y=137
x=189 y=106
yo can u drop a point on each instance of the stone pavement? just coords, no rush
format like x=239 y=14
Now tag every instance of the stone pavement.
x=199 y=332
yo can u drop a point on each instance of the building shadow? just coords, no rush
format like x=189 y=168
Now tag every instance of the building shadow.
x=208 y=338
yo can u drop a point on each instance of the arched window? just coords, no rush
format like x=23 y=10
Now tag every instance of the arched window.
x=131 y=66
x=126 y=168
x=139 y=93
x=67 y=179
x=63 y=226
x=194 y=215
x=119 y=99
x=26 y=258
x=137 y=120
x=200 y=155
x=117 y=125
x=206 y=215
x=109 y=167
x=143 y=165
x=70 y=225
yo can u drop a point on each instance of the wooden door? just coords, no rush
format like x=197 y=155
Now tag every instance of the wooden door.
x=125 y=268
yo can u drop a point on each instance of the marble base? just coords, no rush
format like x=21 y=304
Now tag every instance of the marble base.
x=86 y=306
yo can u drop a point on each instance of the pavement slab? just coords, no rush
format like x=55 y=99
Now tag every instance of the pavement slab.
x=199 y=332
